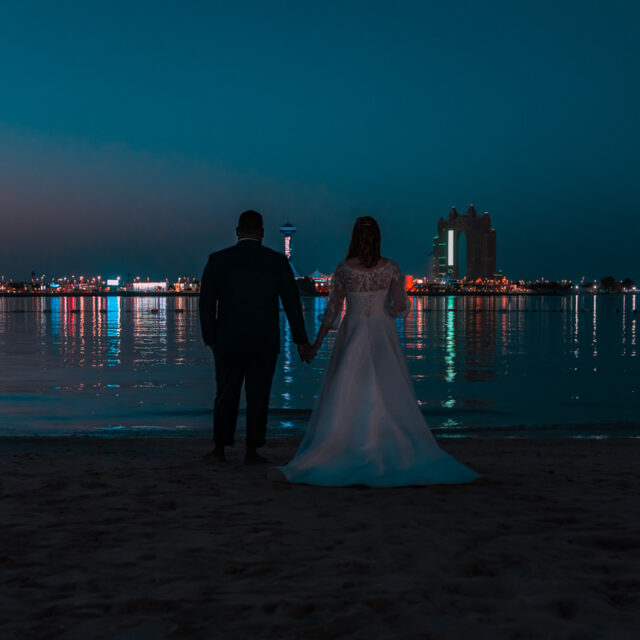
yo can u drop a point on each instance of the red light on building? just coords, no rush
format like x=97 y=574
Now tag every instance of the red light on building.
x=408 y=283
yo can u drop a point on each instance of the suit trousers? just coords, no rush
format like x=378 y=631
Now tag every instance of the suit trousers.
x=232 y=370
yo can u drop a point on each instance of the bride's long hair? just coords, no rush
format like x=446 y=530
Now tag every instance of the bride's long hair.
x=365 y=242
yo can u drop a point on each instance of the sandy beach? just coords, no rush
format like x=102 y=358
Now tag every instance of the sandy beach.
x=142 y=538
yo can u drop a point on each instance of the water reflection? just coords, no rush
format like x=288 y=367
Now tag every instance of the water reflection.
x=576 y=327
x=54 y=323
x=498 y=356
x=76 y=362
x=113 y=331
x=287 y=366
x=149 y=337
x=594 y=334
x=480 y=334
x=633 y=327
x=450 y=341
x=180 y=333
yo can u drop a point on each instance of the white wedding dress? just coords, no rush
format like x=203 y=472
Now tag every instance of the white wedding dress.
x=366 y=428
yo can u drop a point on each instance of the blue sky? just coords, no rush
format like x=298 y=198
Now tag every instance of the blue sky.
x=133 y=134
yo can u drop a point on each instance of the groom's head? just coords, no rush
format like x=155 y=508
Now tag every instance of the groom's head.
x=250 y=225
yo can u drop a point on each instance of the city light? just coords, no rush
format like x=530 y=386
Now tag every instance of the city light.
x=442 y=278
x=149 y=286
x=287 y=230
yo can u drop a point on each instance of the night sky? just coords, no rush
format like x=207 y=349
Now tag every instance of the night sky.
x=133 y=134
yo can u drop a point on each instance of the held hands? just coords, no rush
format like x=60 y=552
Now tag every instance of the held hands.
x=307 y=352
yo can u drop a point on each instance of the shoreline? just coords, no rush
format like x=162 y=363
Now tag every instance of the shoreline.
x=144 y=538
x=560 y=431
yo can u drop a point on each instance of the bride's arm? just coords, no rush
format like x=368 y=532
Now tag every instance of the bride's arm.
x=335 y=303
x=322 y=333
x=398 y=302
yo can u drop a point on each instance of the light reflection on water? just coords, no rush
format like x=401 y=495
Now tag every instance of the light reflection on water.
x=137 y=365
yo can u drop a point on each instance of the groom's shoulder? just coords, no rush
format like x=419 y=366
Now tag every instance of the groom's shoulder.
x=272 y=254
x=268 y=254
x=223 y=253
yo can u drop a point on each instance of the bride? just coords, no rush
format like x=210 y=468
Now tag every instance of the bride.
x=366 y=428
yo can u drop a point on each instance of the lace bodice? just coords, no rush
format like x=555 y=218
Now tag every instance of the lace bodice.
x=380 y=291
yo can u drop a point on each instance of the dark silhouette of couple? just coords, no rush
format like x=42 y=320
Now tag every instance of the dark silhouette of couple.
x=366 y=427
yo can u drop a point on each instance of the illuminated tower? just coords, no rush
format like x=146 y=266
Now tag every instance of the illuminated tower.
x=481 y=246
x=287 y=230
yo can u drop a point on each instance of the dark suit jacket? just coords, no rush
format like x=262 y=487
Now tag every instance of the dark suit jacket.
x=239 y=306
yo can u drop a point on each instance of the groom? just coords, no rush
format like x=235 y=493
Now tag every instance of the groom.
x=239 y=317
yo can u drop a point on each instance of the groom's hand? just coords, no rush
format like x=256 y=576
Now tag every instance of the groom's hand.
x=306 y=352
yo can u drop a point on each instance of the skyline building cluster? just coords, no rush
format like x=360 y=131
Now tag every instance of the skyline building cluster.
x=464 y=257
x=464 y=247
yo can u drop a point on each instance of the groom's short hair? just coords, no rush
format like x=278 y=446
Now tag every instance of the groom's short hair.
x=250 y=222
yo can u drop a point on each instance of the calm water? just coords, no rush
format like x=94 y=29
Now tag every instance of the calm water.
x=116 y=366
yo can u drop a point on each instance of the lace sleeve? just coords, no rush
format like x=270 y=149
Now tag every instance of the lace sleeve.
x=333 y=312
x=398 y=303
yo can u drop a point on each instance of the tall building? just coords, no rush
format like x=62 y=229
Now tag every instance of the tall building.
x=287 y=230
x=481 y=246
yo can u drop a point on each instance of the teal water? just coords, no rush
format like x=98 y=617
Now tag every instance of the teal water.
x=564 y=365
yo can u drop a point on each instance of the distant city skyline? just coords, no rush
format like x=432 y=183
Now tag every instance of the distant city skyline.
x=131 y=139
x=280 y=244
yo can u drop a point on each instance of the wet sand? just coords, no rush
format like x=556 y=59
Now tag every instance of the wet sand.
x=142 y=538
